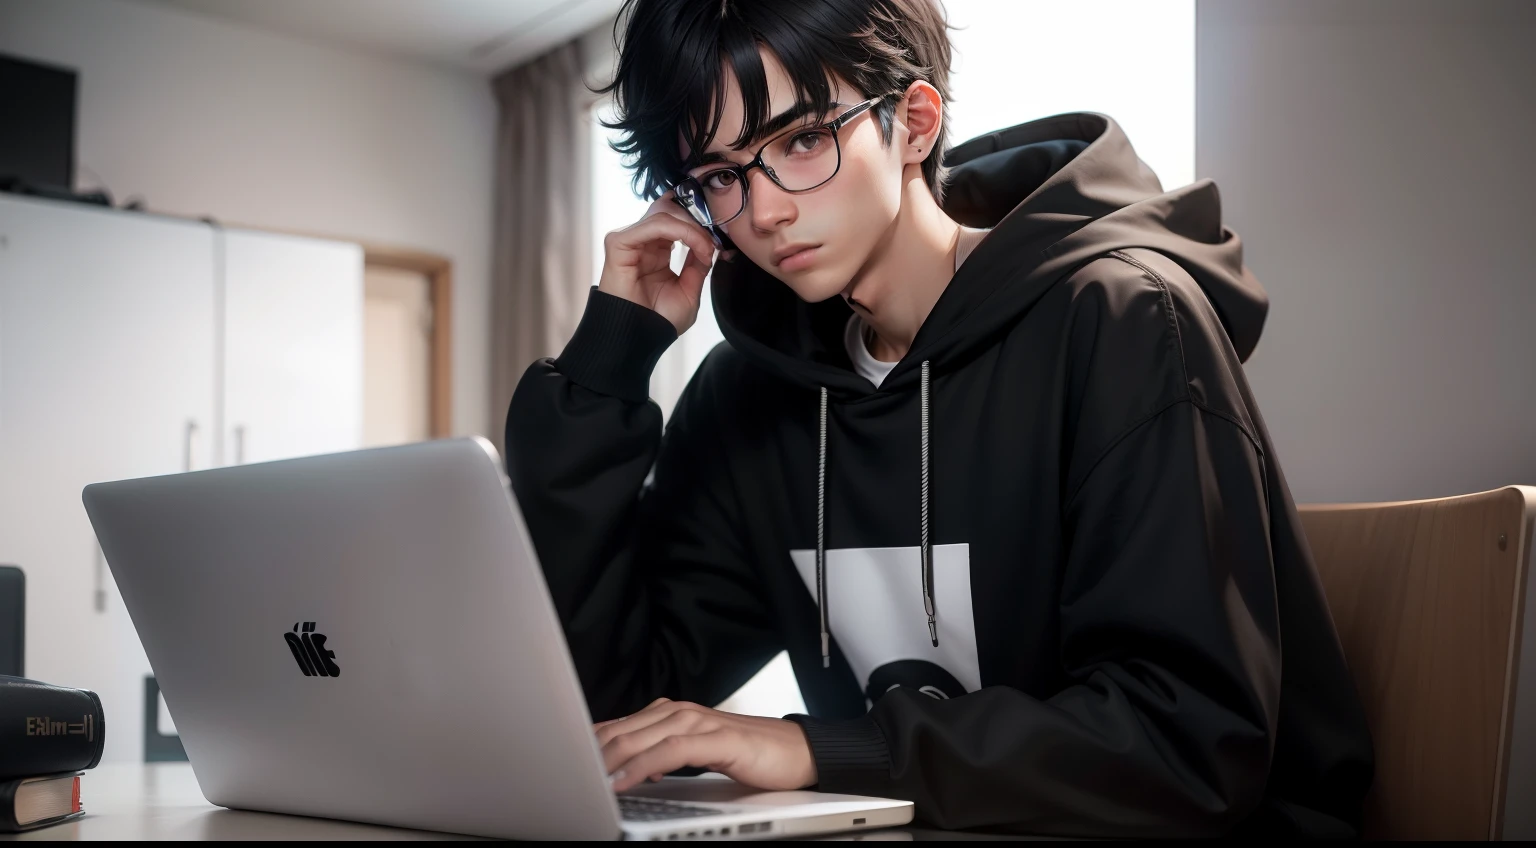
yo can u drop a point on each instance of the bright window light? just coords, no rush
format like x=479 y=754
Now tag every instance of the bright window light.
x=1134 y=60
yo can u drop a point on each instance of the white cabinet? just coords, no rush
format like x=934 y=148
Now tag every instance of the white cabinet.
x=129 y=345
x=106 y=371
x=293 y=342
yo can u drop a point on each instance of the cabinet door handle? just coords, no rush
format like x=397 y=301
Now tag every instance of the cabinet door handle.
x=99 y=597
x=189 y=445
x=239 y=444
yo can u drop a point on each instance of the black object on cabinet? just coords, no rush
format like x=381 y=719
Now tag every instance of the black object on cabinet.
x=37 y=124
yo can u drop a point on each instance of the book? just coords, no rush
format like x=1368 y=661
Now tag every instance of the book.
x=33 y=802
x=47 y=729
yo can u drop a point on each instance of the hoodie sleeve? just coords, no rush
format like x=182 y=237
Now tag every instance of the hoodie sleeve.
x=656 y=596
x=1169 y=637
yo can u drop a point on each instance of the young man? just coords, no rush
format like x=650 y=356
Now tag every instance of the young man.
x=978 y=453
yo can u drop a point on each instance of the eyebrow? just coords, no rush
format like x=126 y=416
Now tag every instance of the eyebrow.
x=769 y=129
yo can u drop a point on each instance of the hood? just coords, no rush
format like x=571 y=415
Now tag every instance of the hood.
x=1057 y=193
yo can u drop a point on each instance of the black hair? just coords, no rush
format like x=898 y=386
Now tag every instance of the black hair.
x=673 y=54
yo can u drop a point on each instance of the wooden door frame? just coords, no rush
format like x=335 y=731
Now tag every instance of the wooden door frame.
x=438 y=270
x=439 y=273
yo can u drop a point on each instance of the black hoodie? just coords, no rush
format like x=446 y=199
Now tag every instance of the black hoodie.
x=1066 y=477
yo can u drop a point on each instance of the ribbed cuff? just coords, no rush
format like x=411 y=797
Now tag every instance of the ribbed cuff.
x=615 y=347
x=852 y=757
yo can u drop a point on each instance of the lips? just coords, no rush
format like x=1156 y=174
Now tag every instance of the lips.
x=795 y=257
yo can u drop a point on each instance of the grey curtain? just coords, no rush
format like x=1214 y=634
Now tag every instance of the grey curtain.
x=542 y=266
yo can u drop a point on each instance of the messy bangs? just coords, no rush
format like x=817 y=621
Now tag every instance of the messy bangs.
x=674 y=55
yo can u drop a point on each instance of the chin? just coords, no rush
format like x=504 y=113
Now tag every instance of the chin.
x=816 y=285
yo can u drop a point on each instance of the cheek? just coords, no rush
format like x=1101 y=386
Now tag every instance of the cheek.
x=869 y=191
x=861 y=203
x=848 y=216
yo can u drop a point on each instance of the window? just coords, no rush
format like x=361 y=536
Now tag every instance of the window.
x=1134 y=60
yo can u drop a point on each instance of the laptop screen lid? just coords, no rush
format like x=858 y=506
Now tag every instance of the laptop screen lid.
x=364 y=636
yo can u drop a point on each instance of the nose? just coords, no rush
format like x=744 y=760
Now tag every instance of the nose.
x=768 y=206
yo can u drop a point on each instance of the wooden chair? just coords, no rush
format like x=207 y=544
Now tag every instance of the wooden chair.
x=1430 y=600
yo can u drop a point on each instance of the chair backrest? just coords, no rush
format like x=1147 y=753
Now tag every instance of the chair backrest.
x=1429 y=599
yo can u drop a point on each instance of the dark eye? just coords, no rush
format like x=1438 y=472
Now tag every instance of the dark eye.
x=801 y=144
x=719 y=180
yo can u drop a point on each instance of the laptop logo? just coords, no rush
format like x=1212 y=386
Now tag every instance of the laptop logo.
x=308 y=649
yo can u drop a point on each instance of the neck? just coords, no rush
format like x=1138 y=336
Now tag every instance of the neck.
x=907 y=271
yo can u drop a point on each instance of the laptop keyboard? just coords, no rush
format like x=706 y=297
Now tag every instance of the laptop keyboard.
x=636 y=809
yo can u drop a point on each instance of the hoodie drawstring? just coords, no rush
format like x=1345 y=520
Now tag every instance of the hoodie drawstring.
x=927 y=549
x=821 y=526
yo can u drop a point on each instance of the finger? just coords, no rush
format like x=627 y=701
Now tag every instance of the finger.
x=649 y=248
x=654 y=703
x=691 y=281
x=661 y=254
x=651 y=283
x=656 y=258
x=636 y=723
x=602 y=724
x=711 y=750
x=668 y=227
x=657 y=711
x=701 y=251
x=661 y=272
x=625 y=747
x=703 y=260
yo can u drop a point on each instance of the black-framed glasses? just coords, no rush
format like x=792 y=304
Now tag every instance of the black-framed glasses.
x=797 y=160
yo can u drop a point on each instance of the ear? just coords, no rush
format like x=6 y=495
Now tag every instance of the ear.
x=922 y=112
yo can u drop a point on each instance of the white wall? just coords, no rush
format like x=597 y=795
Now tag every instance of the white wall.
x=1376 y=157
x=202 y=117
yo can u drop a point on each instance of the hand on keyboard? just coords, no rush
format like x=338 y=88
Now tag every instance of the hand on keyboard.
x=766 y=753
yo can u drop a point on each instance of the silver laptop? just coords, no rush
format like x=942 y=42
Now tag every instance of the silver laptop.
x=367 y=636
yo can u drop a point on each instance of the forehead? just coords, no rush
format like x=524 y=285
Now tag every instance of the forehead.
x=781 y=97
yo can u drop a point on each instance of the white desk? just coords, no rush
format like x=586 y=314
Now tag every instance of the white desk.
x=161 y=801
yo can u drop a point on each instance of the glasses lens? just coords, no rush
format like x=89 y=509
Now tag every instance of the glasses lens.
x=797 y=161
x=691 y=197
x=719 y=195
x=804 y=159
